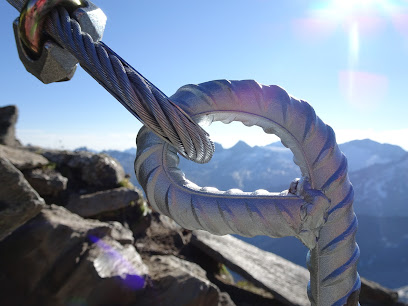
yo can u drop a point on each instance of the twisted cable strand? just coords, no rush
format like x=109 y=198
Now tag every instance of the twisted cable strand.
x=131 y=89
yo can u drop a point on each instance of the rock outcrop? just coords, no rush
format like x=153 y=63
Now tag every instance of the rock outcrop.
x=403 y=295
x=23 y=159
x=99 y=171
x=94 y=204
x=19 y=202
x=8 y=119
x=179 y=282
x=58 y=257
x=47 y=182
x=284 y=279
x=373 y=293
x=125 y=254
x=51 y=255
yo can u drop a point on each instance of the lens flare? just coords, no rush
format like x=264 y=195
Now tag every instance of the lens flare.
x=363 y=91
x=112 y=259
x=354 y=44
x=360 y=20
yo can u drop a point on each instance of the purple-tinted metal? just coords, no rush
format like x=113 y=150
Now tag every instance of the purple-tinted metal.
x=32 y=20
x=319 y=211
x=45 y=59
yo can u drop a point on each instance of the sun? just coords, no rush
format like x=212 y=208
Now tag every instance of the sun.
x=355 y=4
x=348 y=8
x=358 y=21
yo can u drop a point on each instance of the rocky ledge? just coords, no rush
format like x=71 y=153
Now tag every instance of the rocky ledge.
x=74 y=231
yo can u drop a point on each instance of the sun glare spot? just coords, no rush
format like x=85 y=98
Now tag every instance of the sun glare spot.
x=354 y=44
x=360 y=19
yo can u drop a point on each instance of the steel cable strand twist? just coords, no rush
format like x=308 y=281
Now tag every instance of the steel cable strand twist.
x=131 y=89
x=328 y=228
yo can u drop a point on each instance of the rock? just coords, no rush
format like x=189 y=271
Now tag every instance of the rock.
x=19 y=202
x=23 y=159
x=403 y=295
x=244 y=297
x=284 y=279
x=374 y=294
x=178 y=282
x=59 y=258
x=87 y=169
x=158 y=239
x=46 y=182
x=120 y=233
x=8 y=119
x=93 y=204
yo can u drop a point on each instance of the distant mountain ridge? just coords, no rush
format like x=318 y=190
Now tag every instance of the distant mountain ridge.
x=366 y=152
x=378 y=172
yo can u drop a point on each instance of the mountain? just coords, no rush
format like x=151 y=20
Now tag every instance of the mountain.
x=364 y=153
x=85 y=149
x=378 y=172
x=270 y=167
x=381 y=188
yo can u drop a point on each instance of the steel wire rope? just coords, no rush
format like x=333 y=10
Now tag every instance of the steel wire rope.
x=139 y=96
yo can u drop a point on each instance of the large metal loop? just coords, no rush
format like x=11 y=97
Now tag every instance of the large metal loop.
x=321 y=215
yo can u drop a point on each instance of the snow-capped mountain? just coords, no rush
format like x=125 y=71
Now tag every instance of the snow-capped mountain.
x=378 y=172
x=364 y=153
x=381 y=189
x=270 y=167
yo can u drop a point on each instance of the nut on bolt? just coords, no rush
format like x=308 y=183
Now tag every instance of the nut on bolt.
x=54 y=63
x=91 y=19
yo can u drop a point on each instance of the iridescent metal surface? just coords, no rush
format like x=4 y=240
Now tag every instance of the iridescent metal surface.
x=54 y=63
x=32 y=21
x=317 y=209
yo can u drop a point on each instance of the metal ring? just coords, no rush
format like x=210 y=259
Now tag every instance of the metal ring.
x=330 y=218
x=32 y=20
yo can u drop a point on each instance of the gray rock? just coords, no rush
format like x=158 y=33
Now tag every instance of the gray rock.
x=178 y=282
x=373 y=294
x=8 y=119
x=59 y=258
x=98 y=170
x=23 y=159
x=46 y=182
x=284 y=279
x=19 y=202
x=225 y=300
x=97 y=203
x=403 y=295
x=120 y=233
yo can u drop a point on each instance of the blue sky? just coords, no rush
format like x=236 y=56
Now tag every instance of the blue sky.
x=348 y=59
